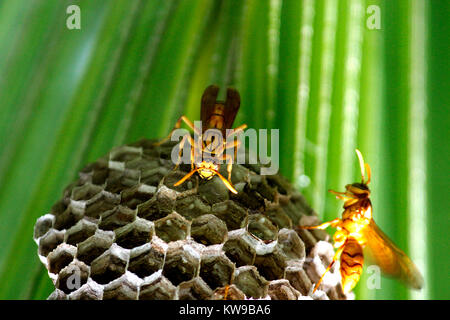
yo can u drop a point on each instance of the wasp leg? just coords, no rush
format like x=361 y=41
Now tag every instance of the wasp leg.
x=177 y=126
x=333 y=223
x=238 y=130
x=181 y=146
x=235 y=143
x=225 y=295
x=343 y=195
x=185 y=178
x=227 y=145
x=335 y=258
x=229 y=161
x=226 y=182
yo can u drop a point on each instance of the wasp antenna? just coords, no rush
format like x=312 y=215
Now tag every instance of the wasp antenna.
x=226 y=182
x=185 y=177
x=368 y=173
x=361 y=164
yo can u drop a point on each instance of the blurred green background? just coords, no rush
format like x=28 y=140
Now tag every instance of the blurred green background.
x=317 y=70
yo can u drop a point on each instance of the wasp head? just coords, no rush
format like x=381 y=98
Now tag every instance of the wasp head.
x=207 y=169
x=360 y=190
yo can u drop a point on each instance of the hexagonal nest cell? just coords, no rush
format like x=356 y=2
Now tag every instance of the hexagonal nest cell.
x=123 y=231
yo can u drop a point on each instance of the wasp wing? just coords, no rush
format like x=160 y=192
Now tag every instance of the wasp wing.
x=392 y=260
x=209 y=99
x=232 y=104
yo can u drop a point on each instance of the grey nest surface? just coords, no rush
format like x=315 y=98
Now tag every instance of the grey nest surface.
x=123 y=231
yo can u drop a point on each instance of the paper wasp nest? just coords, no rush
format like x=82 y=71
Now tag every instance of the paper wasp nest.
x=122 y=231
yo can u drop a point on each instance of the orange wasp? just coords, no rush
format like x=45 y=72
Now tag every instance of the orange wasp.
x=208 y=152
x=357 y=231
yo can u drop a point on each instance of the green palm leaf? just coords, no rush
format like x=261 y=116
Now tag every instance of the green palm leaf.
x=313 y=69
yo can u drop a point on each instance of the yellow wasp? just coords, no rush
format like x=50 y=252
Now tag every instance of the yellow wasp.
x=216 y=115
x=357 y=231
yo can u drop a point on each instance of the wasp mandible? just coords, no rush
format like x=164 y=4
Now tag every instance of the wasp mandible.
x=357 y=231
x=207 y=153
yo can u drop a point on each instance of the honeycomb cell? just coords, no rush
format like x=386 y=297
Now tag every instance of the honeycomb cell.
x=238 y=174
x=123 y=288
x=280 y=184
x=60 y=206
x=117 y=217
x=291 y=246
x=208 y=230
x=144 y=164
x=277 y=216
x=82 y=230
x=85 y=192
x=132 y=197
x=265 y=190
x=261 y=227
x=299 y=279
x=95 y=245
x=165 y=151
x=104 y=202
x=110 y=265
x=88 y=291
x=69 y=217
x=153 y=177
x=134 y=234
x=95 y=173
x=192 y=207
x=291 y=210
x=239 y=247
x=215 y=268
x=249 y=198
x=182 y=262
x=194 y=289
x=57 y=295
x=248 y=280
x=233 y=214
x=307 y=238
x=337 y=293
x=282 y=290
x=147 y=259
x=43 y=224
x=172 y=227
x=72 y=277
x=49 y=241
x=213 y=191
x=316 y=263
x=271 y=265
x=317 y=233
x=119 y=180
x=60 y=257
x=119 y=155
x=230 y=292
x=157 y=287
x=162 y=204
x=174 y=176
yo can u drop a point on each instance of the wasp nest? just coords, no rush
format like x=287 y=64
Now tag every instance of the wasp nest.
x=123 y=231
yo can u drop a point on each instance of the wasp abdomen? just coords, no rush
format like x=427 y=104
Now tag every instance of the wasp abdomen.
x=352 y=260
